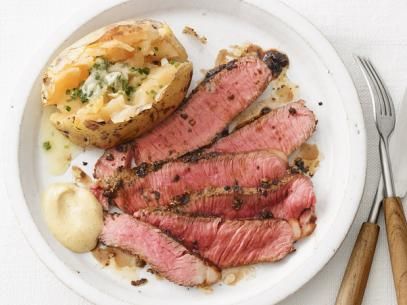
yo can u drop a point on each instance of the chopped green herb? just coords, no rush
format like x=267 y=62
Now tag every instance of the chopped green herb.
x=100 y=64
x=128 y=90
x=68 y=108
x=46 y=145
x=145 y=70
x=97 y=76
x=74 y=93
x=84 y=98
x=174 y=63
x=78 y=93
x=66 y=146
x=152 y=93
x=117 y=84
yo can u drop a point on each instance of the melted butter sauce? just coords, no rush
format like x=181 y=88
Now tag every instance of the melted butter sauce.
x=129 y=265
x=80 y=177
x=232 y=276
x=279 y=92
x=310 y=156
x=206 y=289
x=61 y=151
x=122 y=262
x=309 y=153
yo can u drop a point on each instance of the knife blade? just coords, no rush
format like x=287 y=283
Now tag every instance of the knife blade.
x=398 y=149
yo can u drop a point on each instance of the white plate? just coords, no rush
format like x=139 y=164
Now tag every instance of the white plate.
x=314 y=66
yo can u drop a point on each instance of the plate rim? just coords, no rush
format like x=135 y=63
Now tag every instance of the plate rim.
x=290 y=17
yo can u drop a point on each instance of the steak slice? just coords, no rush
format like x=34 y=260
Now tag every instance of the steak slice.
x=286 y=199
x=224 y=93
x=143 y=187
x=283 y=129
x=118 y=157
x=165 y=255
x=226 y=243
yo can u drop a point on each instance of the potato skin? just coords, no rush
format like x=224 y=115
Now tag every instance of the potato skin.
x=108 y=134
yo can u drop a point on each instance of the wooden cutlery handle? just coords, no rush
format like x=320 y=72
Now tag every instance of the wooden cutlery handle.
x=357 y=272
x=397 y=238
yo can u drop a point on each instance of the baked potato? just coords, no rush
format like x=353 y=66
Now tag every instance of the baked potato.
x=116 y=83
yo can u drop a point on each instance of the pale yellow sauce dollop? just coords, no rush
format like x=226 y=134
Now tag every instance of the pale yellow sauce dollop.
x=73 y=215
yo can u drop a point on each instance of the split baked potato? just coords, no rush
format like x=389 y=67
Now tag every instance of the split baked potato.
x=116 y=83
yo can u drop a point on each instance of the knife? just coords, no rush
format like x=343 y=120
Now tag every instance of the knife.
x=396 y=225
x=398 y=149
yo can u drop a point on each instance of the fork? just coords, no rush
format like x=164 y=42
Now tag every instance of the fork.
x=357 y=272
x=385 y=118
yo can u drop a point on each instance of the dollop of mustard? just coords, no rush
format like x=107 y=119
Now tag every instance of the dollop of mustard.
x=73 y=215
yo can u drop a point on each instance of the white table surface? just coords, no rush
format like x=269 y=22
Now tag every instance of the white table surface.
x=374 y=28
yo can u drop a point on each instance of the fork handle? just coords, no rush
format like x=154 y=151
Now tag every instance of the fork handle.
x=357 y=272
x=397 y=239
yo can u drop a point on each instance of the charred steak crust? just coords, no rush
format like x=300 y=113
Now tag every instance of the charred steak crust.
x=112 y=159
x=284 y=198
x=224 y=93
x=226 y=243
x=211 y=73
x=132 y=190
x=276 y=61
x=164 y=254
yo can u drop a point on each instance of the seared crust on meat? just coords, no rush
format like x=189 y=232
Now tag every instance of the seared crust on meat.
x=284 y=198
x=142 y=186
x=276 y=61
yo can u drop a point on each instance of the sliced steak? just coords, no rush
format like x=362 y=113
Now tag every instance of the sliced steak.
x=226 y=243
x=146 y=186
x=307 y=222
x=112 y=159
x=284 y=129
x=225 y=92
x=101 y=195
x=165 y=255
x=286 y=199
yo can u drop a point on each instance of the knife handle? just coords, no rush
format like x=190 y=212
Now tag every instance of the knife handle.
x=397 y=239
x=357 y=272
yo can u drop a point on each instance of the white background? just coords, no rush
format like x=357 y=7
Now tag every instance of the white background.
x=374 y=28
